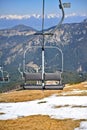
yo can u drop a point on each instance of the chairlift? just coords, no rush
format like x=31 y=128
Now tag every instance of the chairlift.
x=4 y=76
x=43 y=76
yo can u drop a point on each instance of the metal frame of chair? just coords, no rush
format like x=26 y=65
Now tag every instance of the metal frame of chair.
x=4 y=76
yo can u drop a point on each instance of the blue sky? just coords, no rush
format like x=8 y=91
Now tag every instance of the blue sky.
x=13 y=12
x=21 y=7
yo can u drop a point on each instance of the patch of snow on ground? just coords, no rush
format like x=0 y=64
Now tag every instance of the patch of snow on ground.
x=83 y=126
x=74 y=92
x=46 y=106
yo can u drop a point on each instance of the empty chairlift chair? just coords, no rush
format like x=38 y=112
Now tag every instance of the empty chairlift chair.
x=43 y=76
x=4 y=76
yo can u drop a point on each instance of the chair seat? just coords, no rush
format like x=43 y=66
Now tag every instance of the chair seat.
x=33 y=76
x=47 y=87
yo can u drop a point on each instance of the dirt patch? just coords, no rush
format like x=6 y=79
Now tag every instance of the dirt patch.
x=39 y=123
x=74 y=90
x=25 y=95
x=42 y=102
x=59 y=106
x=1 y=113
x=29 y=95
x=75 y=106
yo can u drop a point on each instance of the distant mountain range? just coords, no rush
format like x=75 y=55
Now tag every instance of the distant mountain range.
x=70 y=38
x=34 y=20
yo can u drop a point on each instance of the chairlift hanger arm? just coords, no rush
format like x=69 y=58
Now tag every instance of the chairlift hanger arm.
x=43 y=16
x=63 y=15
x=61 y=6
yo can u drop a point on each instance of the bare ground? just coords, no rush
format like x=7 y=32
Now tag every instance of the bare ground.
x=29 y=95
x=40 y=122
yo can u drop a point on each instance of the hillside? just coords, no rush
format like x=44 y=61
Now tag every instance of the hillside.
x=68 y=111
x=71 y=38
x=26 y=95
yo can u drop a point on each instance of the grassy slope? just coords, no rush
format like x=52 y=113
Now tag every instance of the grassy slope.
x=28 y=95
x=39 y=122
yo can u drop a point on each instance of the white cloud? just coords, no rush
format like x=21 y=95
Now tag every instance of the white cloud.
x=15 y=17
x=70 y=15
x=52 y=15
x=37 y=16
x=19 y=17
x=74 y=14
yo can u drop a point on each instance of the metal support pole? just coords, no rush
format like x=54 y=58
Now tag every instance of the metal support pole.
x=3 y=75
x=24 y=61
x=24 y=67
x=43 y=72
x=62 y=61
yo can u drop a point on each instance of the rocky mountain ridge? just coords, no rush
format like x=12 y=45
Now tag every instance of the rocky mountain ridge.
x=71 y=38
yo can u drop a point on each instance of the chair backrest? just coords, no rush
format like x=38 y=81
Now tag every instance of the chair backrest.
x=33 y=76
x=38 y=76
x=53 y=76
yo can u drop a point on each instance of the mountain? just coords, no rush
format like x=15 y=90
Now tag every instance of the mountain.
x=17 y=30
x=22 y=27
x=70 y=38
x=34 y=20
